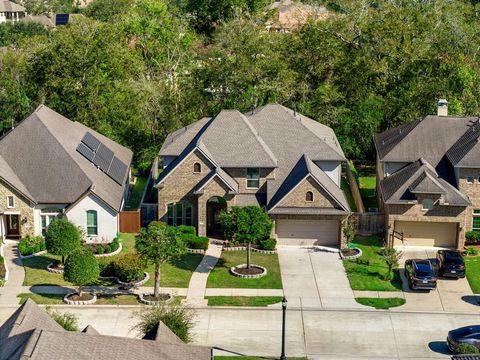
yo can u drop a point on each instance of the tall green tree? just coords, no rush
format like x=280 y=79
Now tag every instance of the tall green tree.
x=62 y=238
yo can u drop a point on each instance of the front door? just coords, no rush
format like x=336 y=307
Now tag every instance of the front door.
x=13 y=226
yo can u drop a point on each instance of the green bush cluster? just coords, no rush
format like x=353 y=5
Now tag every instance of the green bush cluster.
x=104 y=249
x=185 y=229
x=198 y=242
x=467 y=349
x=29 y=245
x=188 y=235
x=268 y=244
x=128 y=267
x=471 y=251
x=472 y=237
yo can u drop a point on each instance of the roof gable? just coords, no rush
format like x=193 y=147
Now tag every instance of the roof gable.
x=466 y=151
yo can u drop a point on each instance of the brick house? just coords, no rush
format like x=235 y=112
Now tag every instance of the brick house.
x=272 y=157
x=428 y=180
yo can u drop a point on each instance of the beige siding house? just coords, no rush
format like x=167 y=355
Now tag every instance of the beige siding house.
x=428 y=181
x=272 y=157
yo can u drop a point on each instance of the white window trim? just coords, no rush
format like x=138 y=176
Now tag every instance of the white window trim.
x=8 y=201
x=96 y=216
x=470 y=182
x=474 y=216
x=246 y=179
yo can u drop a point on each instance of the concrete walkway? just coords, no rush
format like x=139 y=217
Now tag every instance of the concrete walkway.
x=198 y=281
x=16 y=274
x=315 y=279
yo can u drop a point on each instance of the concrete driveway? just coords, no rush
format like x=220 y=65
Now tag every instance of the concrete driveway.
x=450 y=295
x=315 y=279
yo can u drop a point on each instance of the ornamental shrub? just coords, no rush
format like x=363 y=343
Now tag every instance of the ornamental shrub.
x=472 y=251
x=108 y=249
x=66 y=320
x=185 y=229
x=128 y=267
x=29 y=245
x=62 y=238
x=115 y=244
x=81 y=268
x=198 y=242
x=268 y=244
x=467 y=349
x=472 y=237
x=100 y=250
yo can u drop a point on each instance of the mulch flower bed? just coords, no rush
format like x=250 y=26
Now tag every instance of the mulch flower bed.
x=350 y=252
x=255 y=271
x=75 y=299
x=252 y=271
x=149 y=299
x=55 y=268
x=84 y=297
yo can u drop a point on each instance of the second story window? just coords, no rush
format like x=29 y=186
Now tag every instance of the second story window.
x=253 y=178
x=427 y=204
x=309 y=196
x=476 y=220
x=10 y=201
x=197 y=167
x=469 y=179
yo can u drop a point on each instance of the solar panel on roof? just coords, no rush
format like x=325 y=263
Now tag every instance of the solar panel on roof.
x=117 y=170
x=91 y=141
x=103 y=157
x=85 y=151
x=61 y=19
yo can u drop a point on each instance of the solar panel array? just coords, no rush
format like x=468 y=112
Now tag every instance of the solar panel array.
x=102 y=157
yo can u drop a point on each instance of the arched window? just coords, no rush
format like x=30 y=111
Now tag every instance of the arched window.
x=197 y=167
x=427 y=204
x=309 y=196
x=92 y=223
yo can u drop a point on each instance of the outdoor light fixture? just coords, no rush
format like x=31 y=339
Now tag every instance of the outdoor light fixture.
x=284 y=310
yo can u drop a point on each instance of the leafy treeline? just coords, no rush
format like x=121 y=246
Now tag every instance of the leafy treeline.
x=137 y=70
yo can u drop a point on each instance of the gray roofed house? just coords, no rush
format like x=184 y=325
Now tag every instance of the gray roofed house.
x=428 y=173
x=53 y=178
x=272 y=157
x=30 y=333
x=10 y=11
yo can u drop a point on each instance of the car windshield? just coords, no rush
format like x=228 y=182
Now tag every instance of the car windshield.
x=424 y=269
x=453 y=259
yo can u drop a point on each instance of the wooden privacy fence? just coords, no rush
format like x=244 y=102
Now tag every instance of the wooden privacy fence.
x=370 y=223
x=130 y=221
x=357 y=198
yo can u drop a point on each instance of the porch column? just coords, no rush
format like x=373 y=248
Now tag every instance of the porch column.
x=460 y=236
x=201 y=216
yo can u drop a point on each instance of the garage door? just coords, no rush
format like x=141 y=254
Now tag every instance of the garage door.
x=307 y=232
x=427 y=233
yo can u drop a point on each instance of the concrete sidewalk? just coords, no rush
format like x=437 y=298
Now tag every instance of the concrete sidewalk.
x=16 y=274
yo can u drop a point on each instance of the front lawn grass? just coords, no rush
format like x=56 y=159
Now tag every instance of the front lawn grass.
x=367 y=191
x=371 y=276
x=57 y=299
x=136 y=193
x=472 y=267
x=175 y=274
x=220 y=276
x=243 y=300
x=381 y=303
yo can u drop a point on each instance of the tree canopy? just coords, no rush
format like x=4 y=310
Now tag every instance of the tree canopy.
x=62 y=238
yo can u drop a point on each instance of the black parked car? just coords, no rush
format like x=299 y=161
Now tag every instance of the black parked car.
x=420 y=274
x=450 y=264
x=464 y=335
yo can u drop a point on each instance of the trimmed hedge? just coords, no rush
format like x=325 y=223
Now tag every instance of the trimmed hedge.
x=472 y=237
x=185 y=229
x=198 y=242
x=128 y=267
x=268 y=244
x=29 y=245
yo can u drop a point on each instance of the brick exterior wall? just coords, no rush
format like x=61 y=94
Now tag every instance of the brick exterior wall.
x=297 y=197
x=23 y=207
x=239 y=174
x=472 y=191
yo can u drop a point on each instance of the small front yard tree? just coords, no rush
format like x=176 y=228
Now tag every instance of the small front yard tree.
x=81 y=268
x=62 y=238
x=246 y=225
x=349 y=229
x=391 y=257
x=157 y=244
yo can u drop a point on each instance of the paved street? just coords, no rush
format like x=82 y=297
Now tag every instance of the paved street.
x=321 y=334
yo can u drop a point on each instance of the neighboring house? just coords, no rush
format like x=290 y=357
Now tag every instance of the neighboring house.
x=289 y=15
x=10 y=11
x=272 y=157
x=30 y=333
x=428 y=174
x=51 y=166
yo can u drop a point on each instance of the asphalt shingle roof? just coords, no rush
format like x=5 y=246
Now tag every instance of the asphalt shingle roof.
x=51 y=170
x=9 y=6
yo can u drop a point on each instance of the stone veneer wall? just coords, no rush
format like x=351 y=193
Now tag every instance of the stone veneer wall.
x=472 y=191
x=22 y=206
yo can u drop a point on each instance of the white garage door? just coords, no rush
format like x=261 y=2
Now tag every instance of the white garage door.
x=307 y=232
x=418 y=233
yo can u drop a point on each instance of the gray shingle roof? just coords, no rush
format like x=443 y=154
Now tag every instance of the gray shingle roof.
x=51 y=170
x=222 y=175
x=32 y=334
x=306 y=167
x=419 y=177
x=430 y=138
x=9 y=6
x=466 y=151
x=178 y=140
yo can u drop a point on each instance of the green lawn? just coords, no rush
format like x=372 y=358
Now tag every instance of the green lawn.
x=56 y=299
x=136 y=193
x=370 y=276
x=472 y=264
x=243 y=300
x=220 y=276
x=367 y=191
x=176 y=274
x=379 y=303
x=348 y=193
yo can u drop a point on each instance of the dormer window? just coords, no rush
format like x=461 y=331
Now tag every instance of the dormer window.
x=427 y=204
x=309 y=196
x=197 y=168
